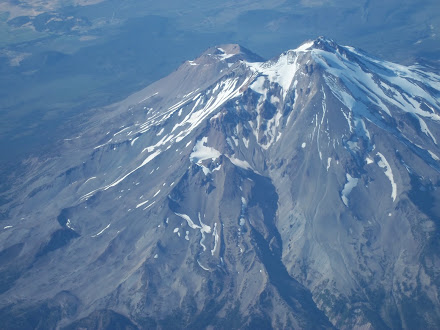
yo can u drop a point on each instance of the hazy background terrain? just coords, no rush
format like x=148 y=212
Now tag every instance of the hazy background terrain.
x=59 y=59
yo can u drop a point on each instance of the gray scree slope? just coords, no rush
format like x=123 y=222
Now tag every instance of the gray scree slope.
x=297 y=192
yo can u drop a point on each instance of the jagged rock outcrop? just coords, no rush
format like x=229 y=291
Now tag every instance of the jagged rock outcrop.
x=297 y=192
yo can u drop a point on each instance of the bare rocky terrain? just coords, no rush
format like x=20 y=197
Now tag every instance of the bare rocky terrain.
x=299 y=192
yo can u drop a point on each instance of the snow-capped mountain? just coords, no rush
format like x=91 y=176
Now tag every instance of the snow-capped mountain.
x=236 y=192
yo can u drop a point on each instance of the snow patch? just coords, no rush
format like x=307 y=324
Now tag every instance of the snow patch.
x=201 y=266
x=216 y=238
x=240 y=163
x=69 y=224
x=145 y=162
x=258 y=85
x=433 y=155
x=204 y=228
x=140 y=204
x=281 y=72
x=383 y=163
x=96 y=235
x=201 y=152
x=160 y=132
x=246 y=142
x=188 y=220
x=305 y=46
x=149 y=205
x=93 y=177
x=348 y=187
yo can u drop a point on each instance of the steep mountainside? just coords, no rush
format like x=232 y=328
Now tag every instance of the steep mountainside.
x=298 y=192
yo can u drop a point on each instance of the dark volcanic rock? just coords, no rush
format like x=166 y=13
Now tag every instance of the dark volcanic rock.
x=300 y=192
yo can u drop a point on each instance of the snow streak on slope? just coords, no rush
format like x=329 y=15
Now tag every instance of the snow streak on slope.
x=288 y=148
x=201 y=152
x=358 y=82
x=348 y=187
x=145 y=162
x=229 y=89
x=383 y=163
x=386 y=85
x=188 y=220
x=280 y=71
x=225 y=90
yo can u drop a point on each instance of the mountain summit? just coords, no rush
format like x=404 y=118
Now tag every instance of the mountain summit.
x=236 y=192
